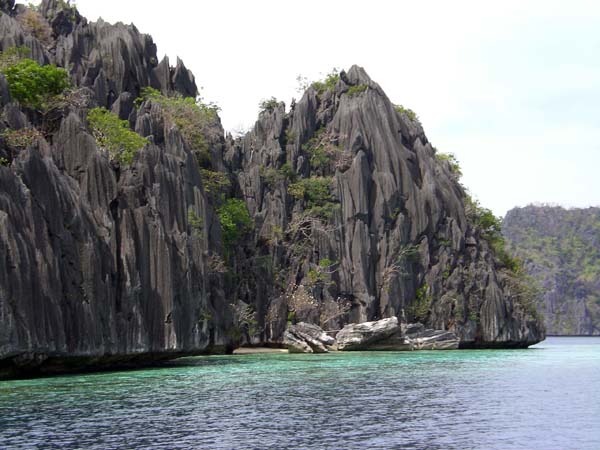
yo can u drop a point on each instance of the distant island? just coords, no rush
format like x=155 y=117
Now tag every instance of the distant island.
x=561 y=251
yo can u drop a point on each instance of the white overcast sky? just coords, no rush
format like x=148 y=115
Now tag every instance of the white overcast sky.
x=512 y=87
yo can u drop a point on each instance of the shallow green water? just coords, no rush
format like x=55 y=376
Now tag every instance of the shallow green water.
x=547 y=397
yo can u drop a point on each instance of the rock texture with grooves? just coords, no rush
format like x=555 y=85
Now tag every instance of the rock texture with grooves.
x=101 y=264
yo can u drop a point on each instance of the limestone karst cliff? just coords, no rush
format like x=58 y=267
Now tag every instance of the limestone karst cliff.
x=354 y=218
x=561 y=250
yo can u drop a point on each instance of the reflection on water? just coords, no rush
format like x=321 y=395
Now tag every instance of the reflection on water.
x=545 y=397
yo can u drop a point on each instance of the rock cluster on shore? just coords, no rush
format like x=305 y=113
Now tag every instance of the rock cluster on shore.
x=385 y=334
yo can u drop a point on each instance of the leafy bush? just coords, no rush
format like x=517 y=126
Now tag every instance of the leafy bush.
x=3 y=162
x=288 y=172
x=235 y=221
x=316 y=192
x=33 y=85
x=272 y=176
x=268 y=104
x=290 y=135
x=328 y=83
x=114 y=135
x=490 y=227
x=321 y=150
x=195 y=222
x=450 y=158
x=216 y=183
x=355 y=90
x=420 y=308
x=12 y=56
x=191 y=116
x=35 y=24
x=408 y=112
x=21 y=139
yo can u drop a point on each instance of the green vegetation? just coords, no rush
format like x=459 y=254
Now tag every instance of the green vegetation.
x=12 y=56
x=420 y=307
x=408 y=112
x=191 y=116
x=22 y=138
x=235 y=221
x=316 y=192
x=32 y=85
x=560 y=248
x=288 y=172
x=114 y=135
x=195 y=222
x=268 y=104
x=32 y=22
x=272 y=177
x=320 y=150
x=450 y=158
x=215 y=183
x=328 y=83
x=290 y=135
x=355 y=90
x=3 y=162
x=490 y=227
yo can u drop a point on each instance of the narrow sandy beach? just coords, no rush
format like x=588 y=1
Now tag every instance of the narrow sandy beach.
x=254 y=350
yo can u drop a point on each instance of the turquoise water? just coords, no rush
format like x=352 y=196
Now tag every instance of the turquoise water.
x=546 y=397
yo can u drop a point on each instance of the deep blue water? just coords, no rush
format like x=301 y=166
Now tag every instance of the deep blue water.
x=546 y=397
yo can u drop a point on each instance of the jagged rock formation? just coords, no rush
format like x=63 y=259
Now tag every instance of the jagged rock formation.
x=102 y=263
x=561 y=250
x=397 y=229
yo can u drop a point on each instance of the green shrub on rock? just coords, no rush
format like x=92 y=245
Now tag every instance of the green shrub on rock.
x=235 y=221
x=22 y=138
x=268 y=104
x=190 y=115
x=316 y=192
x=114 y=135
x=35 y=86
x=408 y=112
x=355 y=90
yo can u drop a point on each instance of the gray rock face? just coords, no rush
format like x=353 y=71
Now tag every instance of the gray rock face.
x=101 y=264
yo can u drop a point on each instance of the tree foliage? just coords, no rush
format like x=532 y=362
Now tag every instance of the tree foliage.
x=407 y=112
x=35 y=86
x=32 y=22
x=114 y=135
x=235 y=221
x=190 y=115
x=316 y=192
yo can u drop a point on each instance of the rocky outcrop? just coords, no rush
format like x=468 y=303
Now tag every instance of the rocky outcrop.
x=388 y=334
x=366 y=335
x=306 y=338
x=104 y=264
x=393 y=223
x=560 y=249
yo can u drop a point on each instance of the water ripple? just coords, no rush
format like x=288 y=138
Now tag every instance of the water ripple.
x=546 y=398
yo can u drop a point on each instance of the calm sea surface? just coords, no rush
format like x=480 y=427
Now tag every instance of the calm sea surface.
x=546 y=397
